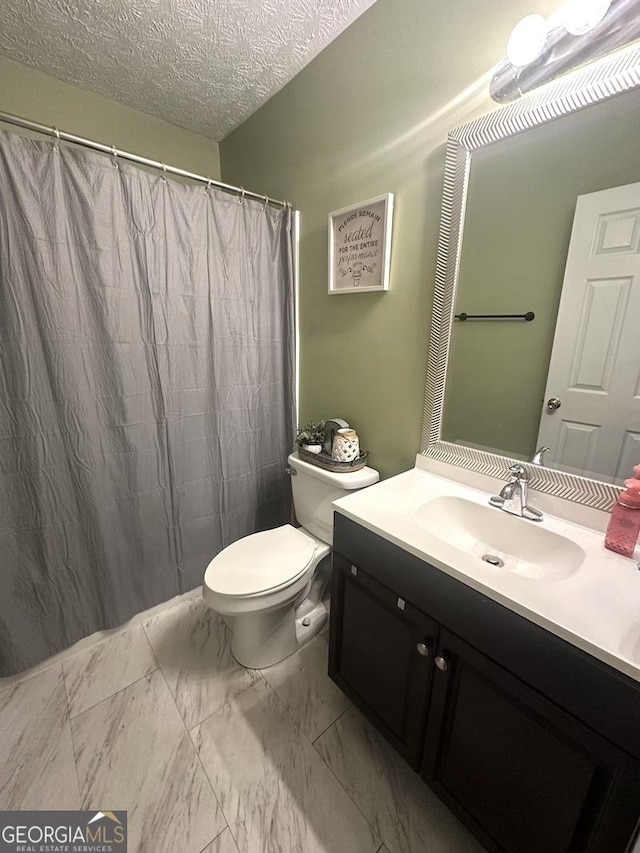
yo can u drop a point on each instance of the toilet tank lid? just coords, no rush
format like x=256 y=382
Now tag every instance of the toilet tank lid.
x=351 y=480
x=260 y=562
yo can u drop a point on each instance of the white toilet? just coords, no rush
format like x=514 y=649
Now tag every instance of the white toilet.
x=267 y=583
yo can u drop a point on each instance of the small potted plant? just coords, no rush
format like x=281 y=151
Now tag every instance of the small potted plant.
x=311 y=437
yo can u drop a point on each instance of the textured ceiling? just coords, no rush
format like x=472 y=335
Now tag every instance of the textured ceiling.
x=205 y=65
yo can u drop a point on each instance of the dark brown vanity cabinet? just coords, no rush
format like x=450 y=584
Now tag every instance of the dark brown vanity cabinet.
x=532 y=743
x=524 y=775
x=383 y=664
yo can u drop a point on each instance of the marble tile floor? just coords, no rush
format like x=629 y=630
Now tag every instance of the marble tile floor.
x=206 y=757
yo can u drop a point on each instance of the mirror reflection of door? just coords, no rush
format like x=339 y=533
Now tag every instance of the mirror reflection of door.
x=595 y=361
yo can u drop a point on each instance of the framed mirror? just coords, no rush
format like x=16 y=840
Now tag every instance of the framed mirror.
x=520 y=184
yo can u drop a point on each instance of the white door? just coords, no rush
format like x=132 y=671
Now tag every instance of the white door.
x=595 y=361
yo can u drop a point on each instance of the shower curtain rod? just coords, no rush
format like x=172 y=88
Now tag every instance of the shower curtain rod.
x=136 y=158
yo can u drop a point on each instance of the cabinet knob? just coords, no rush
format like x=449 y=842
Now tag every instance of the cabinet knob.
x=423 y=649
x=441 y=663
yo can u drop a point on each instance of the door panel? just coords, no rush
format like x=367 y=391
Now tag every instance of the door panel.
x=630 y=451
x=595 y=361
x=374 y=656
x=526 y=776
x=603 y=311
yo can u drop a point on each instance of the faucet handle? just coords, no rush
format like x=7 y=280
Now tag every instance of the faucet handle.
x=519 y=471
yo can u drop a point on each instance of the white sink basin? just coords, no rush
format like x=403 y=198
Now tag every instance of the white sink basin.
x=504 y=541
x=556 y=573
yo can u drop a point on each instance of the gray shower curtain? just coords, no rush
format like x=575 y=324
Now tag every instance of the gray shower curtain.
x=146 y=388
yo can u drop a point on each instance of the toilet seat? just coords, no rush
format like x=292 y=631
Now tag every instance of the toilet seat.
x=260 y=563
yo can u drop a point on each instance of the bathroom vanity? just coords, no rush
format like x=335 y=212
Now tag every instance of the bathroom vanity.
x=501 y=656
x=513 y=689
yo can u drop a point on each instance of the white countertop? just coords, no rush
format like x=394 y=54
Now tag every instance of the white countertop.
x=597 y=608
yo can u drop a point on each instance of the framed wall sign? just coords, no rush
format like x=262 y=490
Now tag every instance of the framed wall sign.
x=360 y=246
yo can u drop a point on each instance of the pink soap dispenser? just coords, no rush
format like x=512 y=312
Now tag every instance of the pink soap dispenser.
x=624 y=524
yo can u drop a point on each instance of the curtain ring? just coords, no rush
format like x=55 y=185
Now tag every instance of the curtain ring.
x=56 y=144
x=114 y=153
x=266 y=202
x=209 y=185
x=164 y=173
x=241 y=201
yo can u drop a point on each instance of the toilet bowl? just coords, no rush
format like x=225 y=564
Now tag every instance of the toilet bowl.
x=271 y=586
x=256 y=582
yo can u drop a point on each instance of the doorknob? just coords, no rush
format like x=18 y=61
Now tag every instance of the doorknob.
x=442 y=663
x=553 y=403
x=423 y=649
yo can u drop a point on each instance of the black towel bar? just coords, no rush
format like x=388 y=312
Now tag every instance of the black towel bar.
x=528 y=316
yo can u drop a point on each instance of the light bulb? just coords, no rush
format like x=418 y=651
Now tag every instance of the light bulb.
x=527 y=40
x=582 y=16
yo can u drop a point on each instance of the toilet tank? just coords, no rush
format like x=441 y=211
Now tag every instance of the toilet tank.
x=314 y=490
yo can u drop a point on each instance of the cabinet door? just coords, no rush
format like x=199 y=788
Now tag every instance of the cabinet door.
x=524 y=775
x=380 y=656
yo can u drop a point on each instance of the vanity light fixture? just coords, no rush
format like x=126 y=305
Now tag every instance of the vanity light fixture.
x=540 y=49
x=527 y=40
x=582 y=16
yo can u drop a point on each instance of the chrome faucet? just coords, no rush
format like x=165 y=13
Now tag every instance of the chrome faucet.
x=513 y=497
x=538 y=456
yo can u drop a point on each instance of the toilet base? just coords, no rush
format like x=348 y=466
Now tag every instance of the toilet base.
x=263 y=639
x=310 y=621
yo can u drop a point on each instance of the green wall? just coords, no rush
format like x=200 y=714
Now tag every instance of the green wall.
x=30 y=94
x=521 y=202
x=370 y=115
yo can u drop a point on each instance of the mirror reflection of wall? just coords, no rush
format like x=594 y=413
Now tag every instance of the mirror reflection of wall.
x=520 y=208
